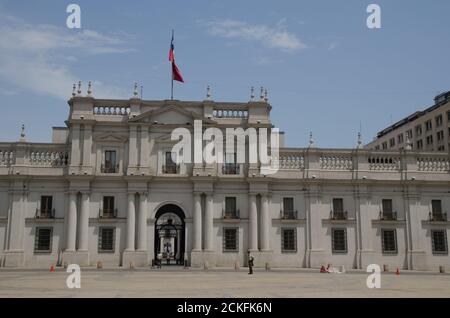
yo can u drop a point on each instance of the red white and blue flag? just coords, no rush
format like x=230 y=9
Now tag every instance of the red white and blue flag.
x=176 y=75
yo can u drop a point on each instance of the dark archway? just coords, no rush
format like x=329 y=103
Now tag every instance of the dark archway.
x=170 y=231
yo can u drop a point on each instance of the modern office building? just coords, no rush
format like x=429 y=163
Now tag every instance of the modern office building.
x=107 y=189
x=427 y=130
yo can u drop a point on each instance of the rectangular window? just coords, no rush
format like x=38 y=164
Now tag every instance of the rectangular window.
x=288 y=240
x=170 y=162
x=106 y=239
x=409 y=134
x=419 y=144
x=339 y=240
x=230 y=240
x=108 y=206
x=384 y=145
x=110 y=162
x=388 y=212
x=46 y=206
x=389 y=241
x=230 y=165
x=436 y=210
x=230 y=207
x=288 y=205
x=439 y=241
x=43 y=240
x=338 y=209
x=438 y=120
x=440 y=135
x=418 y=130
x=400 y=139
x=448 y=116
x=429 y=140
x=428 y=125
x=392 y=142
x=378 y=146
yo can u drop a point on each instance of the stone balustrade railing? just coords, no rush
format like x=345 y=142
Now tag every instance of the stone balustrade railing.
x=384 y=162
x=6 y=158
x=430 y=163
x=230 y=113
x=49 y=158
x=336 y=162
x=291 y=161
x=111 y=110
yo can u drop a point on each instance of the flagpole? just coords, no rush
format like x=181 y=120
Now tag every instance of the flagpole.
x=171 y=91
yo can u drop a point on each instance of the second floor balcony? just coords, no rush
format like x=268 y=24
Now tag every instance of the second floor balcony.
x=171 y=168
x=288 y=215
x=107 y=213
x=231 y=214
x=388 y=216
x=338 y=215
x=109 y=168
x=45 y=213
x=230 y=168
x=437 y=217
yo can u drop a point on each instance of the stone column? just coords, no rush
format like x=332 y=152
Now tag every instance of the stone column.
x=87 y=145
x=132 y=152
x=197 y=244
x=84 y=223
x=145 y=153
x=265 y=225
x=253 y=223
x=209 y=229
x=142 y=223
x=72 y=223
x=75 y=153
x=131 y=222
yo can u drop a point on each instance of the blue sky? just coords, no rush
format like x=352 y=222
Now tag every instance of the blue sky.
x=325 y=71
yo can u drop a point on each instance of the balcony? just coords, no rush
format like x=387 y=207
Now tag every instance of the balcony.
x=338 y=215
x=109 y=168
x=171 y=169
x=437 y=217
x=388 y=216
x=288 y=215
x=107 y=213
x=231 y=215
x=230 y=168
x=45 y=213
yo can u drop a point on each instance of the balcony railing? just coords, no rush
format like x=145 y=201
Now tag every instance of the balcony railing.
x=107 y=213
x=109 y=168
x=45 y=213
x=171 y=169
x=288 y=215
x=338 y=215
x=438 y=217
x=388 y=215
x=231 y=215
x=230 y=168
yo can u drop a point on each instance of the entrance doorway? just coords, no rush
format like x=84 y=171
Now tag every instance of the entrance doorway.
x=169 y=235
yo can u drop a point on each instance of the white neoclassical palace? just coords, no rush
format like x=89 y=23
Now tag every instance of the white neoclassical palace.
x=107 y=190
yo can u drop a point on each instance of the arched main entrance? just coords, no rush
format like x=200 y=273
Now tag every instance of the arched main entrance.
x=169 y=235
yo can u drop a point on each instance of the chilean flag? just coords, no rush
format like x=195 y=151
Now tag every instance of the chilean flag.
x=176 y=75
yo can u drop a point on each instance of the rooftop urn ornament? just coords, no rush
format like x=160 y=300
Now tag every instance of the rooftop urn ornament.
x=359 y=145
x=74 y=90
x=261 y=95
x=208 y=92
x=79 y=88
x=266 y=99
x=22 y=133
x=135 y=90
x=89 y=90
x=311 y=140
x=252 y=94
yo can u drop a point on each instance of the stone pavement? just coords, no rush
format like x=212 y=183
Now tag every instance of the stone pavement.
x=178 y=282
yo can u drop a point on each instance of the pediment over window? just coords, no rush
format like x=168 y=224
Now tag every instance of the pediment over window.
x=110 y=137
x=170 y=115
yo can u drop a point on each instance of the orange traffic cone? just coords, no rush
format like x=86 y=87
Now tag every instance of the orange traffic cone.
x=52 y=268
x=397 y=272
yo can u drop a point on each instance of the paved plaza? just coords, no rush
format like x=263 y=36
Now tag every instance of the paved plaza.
x=218 y=283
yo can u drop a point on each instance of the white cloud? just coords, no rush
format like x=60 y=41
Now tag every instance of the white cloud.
x=37 y=58
x=273 y=37
x=333 y=45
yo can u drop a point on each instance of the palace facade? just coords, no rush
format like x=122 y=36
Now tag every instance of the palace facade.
x=106 y=190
